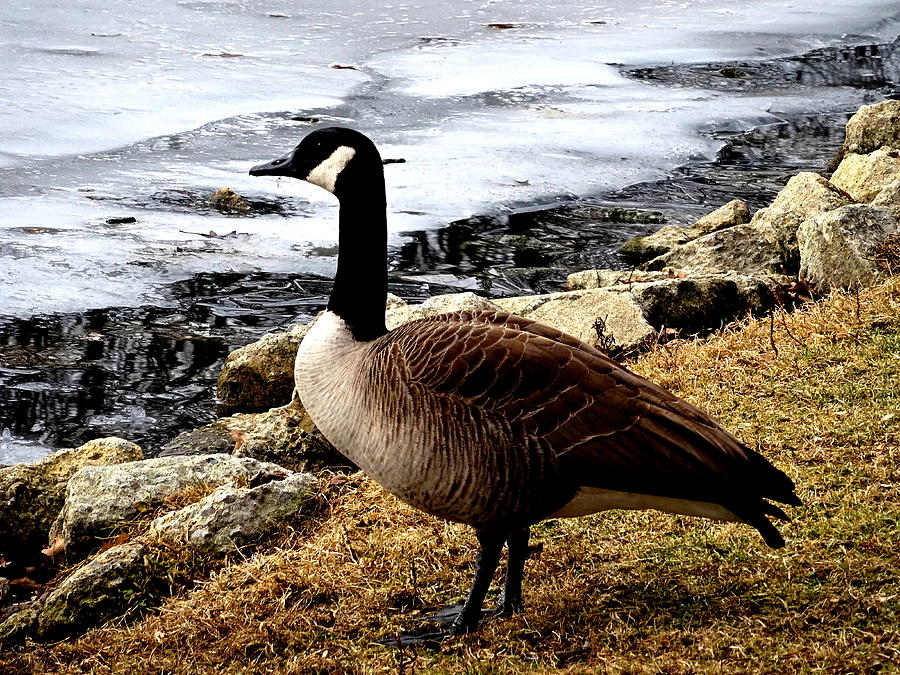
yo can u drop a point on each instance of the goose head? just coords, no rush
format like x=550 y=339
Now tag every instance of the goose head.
x=335 y=158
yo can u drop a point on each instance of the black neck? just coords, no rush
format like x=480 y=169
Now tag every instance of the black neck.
x=360 y=284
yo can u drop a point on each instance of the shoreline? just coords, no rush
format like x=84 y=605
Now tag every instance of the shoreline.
x=48 y=358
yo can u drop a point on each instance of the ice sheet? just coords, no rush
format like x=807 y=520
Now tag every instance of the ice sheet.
x=143 y=109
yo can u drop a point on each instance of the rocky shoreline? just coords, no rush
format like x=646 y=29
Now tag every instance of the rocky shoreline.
x=95 y=533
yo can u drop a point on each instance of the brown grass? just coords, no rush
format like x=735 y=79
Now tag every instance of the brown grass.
x=817 y=391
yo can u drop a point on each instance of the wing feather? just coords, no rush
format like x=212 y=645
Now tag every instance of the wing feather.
x=606 y=426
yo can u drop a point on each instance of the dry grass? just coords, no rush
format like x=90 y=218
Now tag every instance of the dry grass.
x=817 y=391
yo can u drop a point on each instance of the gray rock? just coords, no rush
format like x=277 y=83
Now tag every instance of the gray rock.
x=603 y=317
x=837 y=249
x=649 y=246
x=285 y=436
x=134 y=574
x=101 y=499
x=260 y=375
x=804 y=196
x=634 y=314
x=864 y=176
x=103 y=588
x=605 y=278
x=639 y=249
x=702 y=302
x=735 y=212
x=31 y=495
x=232 y=517
x=747 y=249
x=872 y=127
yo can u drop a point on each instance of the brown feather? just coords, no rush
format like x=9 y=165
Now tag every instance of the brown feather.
x=515 y=397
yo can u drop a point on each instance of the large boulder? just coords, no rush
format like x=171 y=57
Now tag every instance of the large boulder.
x=702 y=302
x=31 y=495
x=864 y=176
x=639 y=249
x=135 y=573
x=102 y=499
x=607 y=318
x=260 y=375
x=284 y=435
x=873 y=127
x=837 y=249
x=805 y=196
x=605 y=278
x=105 y=587
x=747 y=249
x=231 y=517
x=626 y=316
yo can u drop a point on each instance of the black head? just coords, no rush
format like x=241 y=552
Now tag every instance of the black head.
x=327 y=158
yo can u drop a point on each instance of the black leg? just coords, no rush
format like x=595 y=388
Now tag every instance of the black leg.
x=511 y=599
x=491 y=545
x=462 y=619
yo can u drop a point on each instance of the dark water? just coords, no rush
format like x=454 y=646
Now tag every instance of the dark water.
x=148 y=373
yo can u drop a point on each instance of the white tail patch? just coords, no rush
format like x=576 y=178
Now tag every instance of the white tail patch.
x=591 y=500
x=326 y=173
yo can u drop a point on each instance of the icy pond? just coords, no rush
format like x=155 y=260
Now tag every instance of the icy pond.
x=119 y=285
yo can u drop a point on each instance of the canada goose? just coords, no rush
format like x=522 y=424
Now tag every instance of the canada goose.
x=490 y=419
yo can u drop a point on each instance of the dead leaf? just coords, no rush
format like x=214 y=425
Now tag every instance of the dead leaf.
x=238 y=437
x=120 y=539
x=56 y=551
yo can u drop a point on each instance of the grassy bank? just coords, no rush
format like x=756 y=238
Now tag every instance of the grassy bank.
x=817 y=391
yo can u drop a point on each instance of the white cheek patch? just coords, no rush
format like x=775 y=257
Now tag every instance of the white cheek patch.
x=326 y=173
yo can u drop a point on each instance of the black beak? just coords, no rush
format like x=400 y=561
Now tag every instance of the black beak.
x=277 y=167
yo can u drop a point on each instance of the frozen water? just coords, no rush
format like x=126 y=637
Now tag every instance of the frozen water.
x=142 y=109
x=15 y=450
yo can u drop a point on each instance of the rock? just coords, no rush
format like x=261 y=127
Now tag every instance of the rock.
x=735 y=212
x=804 y=196
x=748 y=249
x=604 y=317
x=31 y=495
x=889 y=197
x=284 y=435
x=837 y=249
x=605 y=278
x=103 y=588
x=630 y=315
x=702 y=302
x=649 y=246
x=873 y=127
x=639 y=249
x=136 y=573
x=439 y=304
x=100 y=499
x=260 y=375
x=228 y=201
x=232 y=517
x=864 y=176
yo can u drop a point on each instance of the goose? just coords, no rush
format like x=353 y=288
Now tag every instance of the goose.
x=491 y=419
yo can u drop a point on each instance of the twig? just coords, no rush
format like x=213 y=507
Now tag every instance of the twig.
x=772 y=333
